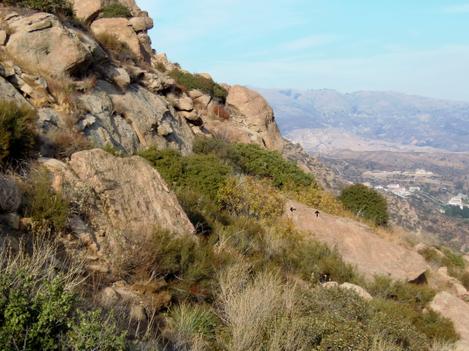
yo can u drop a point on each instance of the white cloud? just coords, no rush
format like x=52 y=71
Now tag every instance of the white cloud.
x=457 y=8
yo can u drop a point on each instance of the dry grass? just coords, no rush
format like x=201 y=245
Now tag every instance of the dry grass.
x=118 y=49
x=219 y=111
x=66 y=142
x=256 y=311
x=39 y=260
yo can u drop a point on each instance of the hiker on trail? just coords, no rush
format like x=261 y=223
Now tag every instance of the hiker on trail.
x=292 y=209
x=317 y=213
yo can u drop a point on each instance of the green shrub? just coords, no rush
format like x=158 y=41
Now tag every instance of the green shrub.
x=91 y=332
x=416 y=296
x=202 y=173
x=116 y=10
x=465 y=280
x=17 y=133
x=34 y=322
x=58 y=7
x=255 y=161
x=190 y=81
x=49 y=210
x=250 y=197
x=38 y=307
x=453 y=260
x=393 y=321
x=365 y=202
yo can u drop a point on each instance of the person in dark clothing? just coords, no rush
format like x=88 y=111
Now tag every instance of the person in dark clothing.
x=317 y=213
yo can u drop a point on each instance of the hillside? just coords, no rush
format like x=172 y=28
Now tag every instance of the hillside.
x=145 y=207
x=383 y=138
x=375 y=116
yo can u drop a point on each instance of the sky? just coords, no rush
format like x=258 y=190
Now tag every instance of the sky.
x=411 y=46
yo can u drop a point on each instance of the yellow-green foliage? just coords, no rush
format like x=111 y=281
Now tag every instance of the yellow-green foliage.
x=17 y=133
x=190 y=81
x=247 y=196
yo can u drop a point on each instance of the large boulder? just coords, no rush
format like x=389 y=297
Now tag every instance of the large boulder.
x=121 y=29
x=87 y=10
x=457 y=311
x=130 y=197
x=251 y=110
x=358 y=244
x=41 y=43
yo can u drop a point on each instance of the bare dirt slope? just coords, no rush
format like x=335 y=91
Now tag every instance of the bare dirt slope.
x=358 y=244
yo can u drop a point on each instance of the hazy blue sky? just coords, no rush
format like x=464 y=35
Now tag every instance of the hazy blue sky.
x=413 y=46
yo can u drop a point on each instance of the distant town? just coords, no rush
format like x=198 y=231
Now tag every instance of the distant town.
x=457 y=205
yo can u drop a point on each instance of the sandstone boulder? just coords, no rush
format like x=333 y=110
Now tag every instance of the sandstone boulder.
x=358 y=244
x=40 y=43
x=130 y=197
x=251 y=110
x=121 y=29
x=3 y=37
x=251 y=120
x=457 y=311
x=87 y=10
x=140 y=24
x=365 y=295
x=132 y=193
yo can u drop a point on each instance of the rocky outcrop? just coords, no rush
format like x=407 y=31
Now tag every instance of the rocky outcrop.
x=251 y=120
x=358 y=244
x=153 y=120
x=131 y=199
x=133 y=195
x=365 y=295
x=121 y=29
x=8 y=92
x=457 y=311
x=87 y=10
x=41 y=43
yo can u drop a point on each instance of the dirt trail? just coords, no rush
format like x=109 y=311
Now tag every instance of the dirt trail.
x=358 y=244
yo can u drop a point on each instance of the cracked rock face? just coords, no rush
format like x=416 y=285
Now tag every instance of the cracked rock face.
x=131 y=197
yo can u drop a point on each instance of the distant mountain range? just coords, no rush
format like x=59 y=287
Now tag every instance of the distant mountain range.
x=369 y=120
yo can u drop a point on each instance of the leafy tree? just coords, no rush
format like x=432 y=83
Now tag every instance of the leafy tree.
x=366 y=202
